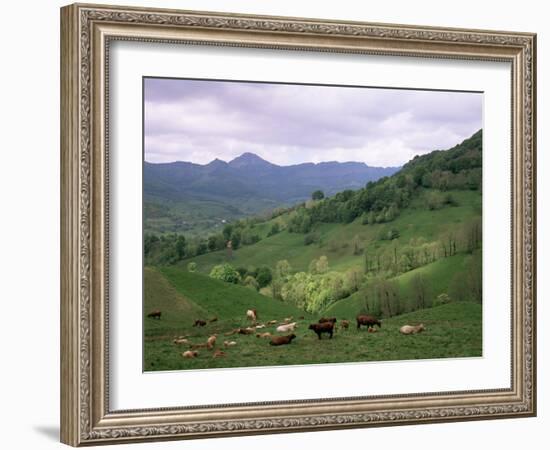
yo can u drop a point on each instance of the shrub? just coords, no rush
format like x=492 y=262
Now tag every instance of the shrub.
x=266 y=291
x=388 y=234
x=442 y=299
x=275 y=228
x=435 y=200
x=225 y=272
x=192 y=267
x=264 y=276
x=250 y=282
x=311 y=238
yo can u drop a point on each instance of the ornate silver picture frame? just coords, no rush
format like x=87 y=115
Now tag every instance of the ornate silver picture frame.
x=87 y=33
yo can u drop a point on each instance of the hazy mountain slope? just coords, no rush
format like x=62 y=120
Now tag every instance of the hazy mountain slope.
x=184 y=195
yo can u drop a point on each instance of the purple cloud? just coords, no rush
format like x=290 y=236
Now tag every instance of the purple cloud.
x=198 y=121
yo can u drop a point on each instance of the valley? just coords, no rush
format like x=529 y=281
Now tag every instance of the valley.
x=405 y=247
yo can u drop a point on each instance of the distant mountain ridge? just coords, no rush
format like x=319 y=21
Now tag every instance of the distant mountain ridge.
x=246 y=185
x=251 y=176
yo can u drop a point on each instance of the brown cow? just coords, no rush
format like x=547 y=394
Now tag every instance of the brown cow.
x=246 y=330
x=344 y=324
x=252 y=314
x=367 y=320
x=320 y=328
x=190 y=354
x=211 y=341
x=282 y=340
x=154 y=314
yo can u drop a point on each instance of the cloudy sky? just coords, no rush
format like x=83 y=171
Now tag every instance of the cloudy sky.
x=198 y=121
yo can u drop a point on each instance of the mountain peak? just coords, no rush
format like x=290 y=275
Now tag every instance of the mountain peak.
x=249 y=159
x=216 y=162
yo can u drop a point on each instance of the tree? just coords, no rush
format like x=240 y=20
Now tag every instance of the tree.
x=356 y=245
x=275 y=228
x=471 y=234
x=391 y=213
x=420 y=292
x=318 y=195
x=149 y=243
x=216 y=242
x=388 y=297
x=311 y=238
x=264 y=276
x=282 y=269
x=435 y=200
x=354 y=278
x=442 y=299
x=236 y=239
x=225 y=272
x=180 y=246
x=372 y=217
x=250 y=282
x=321 y=266
x=227 y=230
x=201 y=248
x=242 y=271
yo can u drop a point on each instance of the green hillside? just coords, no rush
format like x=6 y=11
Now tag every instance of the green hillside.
x=438 y=276
x=405 y=248
x=225 y=300
x=160 y=294
x=452 y=330
x=336 y=240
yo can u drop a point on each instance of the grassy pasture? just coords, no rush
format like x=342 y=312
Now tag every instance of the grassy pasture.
x=452 y=330
x=439 y=274
x=335 y=240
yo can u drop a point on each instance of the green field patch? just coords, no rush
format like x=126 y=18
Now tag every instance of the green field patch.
x=336 y=241
x=452 y=330
x=438 y=276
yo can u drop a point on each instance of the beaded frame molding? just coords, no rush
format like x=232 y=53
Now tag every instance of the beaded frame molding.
x=86 y=33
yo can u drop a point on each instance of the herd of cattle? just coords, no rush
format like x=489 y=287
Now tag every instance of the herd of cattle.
x=325 y=325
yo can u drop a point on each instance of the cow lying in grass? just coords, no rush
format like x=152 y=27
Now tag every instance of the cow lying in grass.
x=286 y=328
x=211 y=341
x=367 y=320
x=154 y=314
x=282 y=340
x=411 y=329
x=199 y=323
x=247 y=330
x=320 y=328
x=190 y=354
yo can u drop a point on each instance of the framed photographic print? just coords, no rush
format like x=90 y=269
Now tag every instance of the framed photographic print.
x=278 y=224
